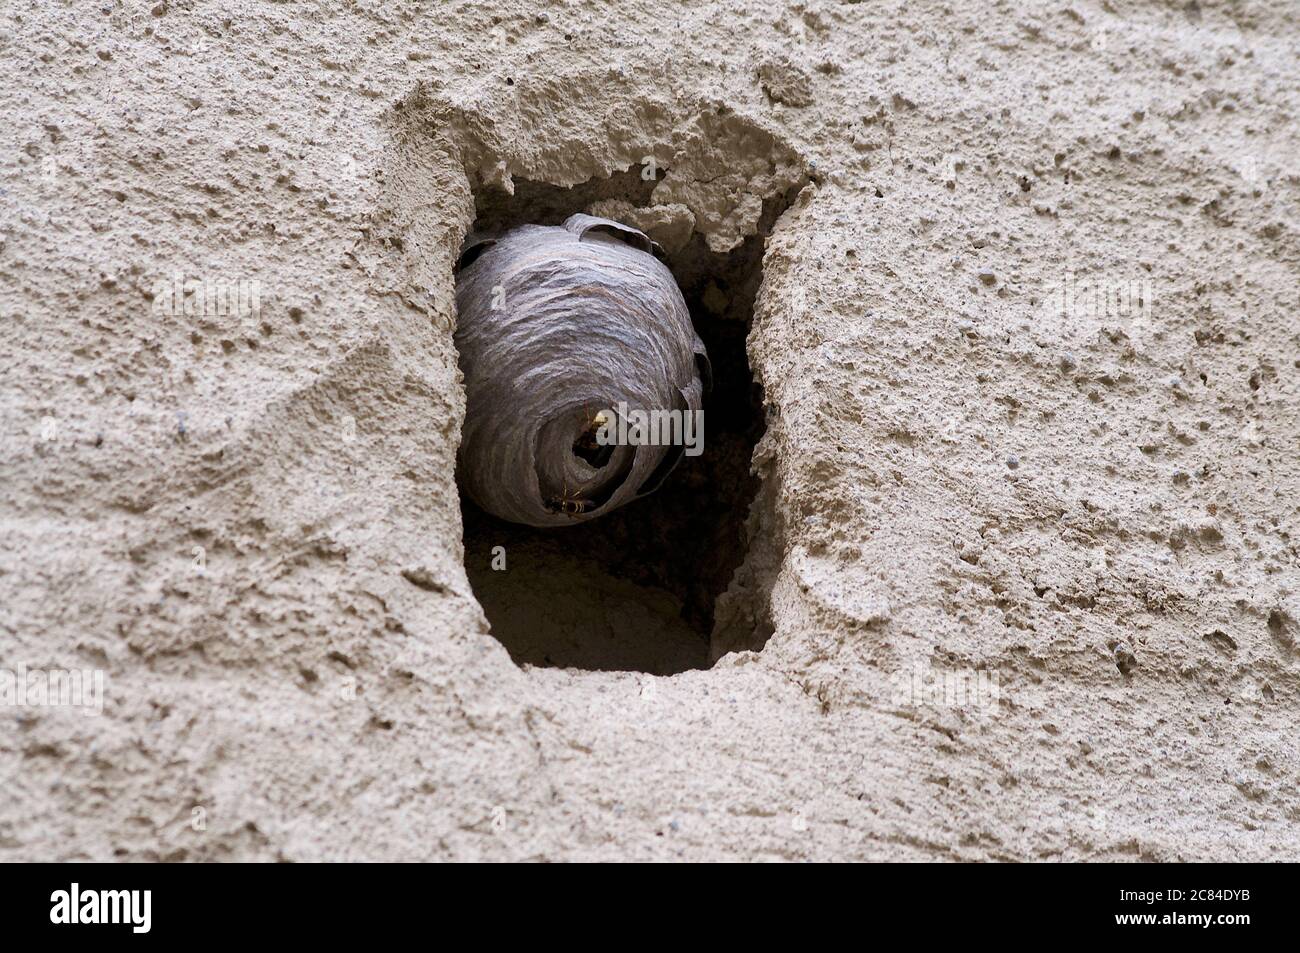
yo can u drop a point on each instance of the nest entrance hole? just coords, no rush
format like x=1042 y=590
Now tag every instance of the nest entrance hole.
x=588 y=447
x=635 y=589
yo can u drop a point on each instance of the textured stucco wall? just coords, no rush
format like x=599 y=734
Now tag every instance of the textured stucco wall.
x=251 y=526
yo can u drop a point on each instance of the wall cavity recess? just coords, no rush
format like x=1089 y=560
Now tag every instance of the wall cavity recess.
x=635 y=590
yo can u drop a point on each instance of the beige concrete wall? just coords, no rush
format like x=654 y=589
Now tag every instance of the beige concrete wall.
x=249 y=523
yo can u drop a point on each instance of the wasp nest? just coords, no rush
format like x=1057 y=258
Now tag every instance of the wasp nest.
x=570 y=338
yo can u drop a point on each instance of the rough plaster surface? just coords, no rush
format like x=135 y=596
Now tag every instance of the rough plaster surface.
x=251 y=523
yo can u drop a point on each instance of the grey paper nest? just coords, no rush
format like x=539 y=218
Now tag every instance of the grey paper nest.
x=556 y=326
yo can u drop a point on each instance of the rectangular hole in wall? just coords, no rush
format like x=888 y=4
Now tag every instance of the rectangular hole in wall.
x=635 y=589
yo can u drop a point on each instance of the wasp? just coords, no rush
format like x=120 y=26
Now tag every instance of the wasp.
x=591 y=424
x=588 y=444
x=570 y=504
